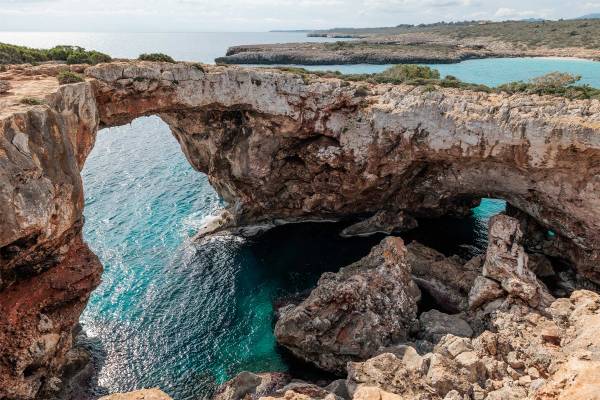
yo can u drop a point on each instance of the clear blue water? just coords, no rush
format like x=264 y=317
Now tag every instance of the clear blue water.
x=185 y=316
x=492 y=71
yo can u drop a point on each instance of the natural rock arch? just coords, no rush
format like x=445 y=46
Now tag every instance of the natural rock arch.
x=283 y=146
x=278 y=146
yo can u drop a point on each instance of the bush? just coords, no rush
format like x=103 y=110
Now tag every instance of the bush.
x=31 y=101
x=66 y=77
x=11 y=54
x=554 y=80
x=156 y=57
x=408 y=72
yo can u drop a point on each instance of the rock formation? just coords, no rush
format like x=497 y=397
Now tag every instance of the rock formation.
x=525 y=349
x=353 y=313
x=277 y=147
x=417 y=47
x=144 y=394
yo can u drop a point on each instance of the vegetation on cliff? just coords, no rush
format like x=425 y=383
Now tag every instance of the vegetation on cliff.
x=567 y=33
x=156 y=57
x=555 y=83
x=65 y=77
x=13 y=54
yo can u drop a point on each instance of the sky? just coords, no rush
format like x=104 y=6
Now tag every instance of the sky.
x=264 y=15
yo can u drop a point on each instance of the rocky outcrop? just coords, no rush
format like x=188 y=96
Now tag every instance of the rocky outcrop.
x=506 y=262
x=47 y=272
x=280 y=147
x=381 y=222
x=144 y=394
x=277 y=147
x=249 y=386
x=446 y=279
x=422 y=48
x=353 y=313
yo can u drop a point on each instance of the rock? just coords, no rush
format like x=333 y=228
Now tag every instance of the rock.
x=411 y=360
x=435 y=324
x=475 y=367
x=388 y=372
x=248 y=385
x=483 y=291
x=339 y=388
x=453 y=395
x=506 y=262
x=4 y=86
x=309 y=390
x=382 y=222
x=354 y=312
x=446 y=279
x=144 y=394
x=374 y=393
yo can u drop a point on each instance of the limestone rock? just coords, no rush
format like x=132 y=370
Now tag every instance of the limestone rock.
x=382 y=222
x=354 y=312
x=506 y=262
x=248 y=385
x=483 y=291
x=144 y=394
x=435 y=324
x=447 y=279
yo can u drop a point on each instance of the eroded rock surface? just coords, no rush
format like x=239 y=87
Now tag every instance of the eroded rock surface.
x=277 y=147
x=354 y=312
x=144 y=394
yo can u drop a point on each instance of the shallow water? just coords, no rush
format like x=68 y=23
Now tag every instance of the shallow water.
x=186 y=316
x=492 y=71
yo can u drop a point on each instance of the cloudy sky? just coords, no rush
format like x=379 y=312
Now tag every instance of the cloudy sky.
x=262 y=15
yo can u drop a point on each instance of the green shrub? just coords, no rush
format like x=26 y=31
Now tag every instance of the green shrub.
x=66 y=77
x=408 y=72
x=12 y=54
x=156 y=57
x=31 y=101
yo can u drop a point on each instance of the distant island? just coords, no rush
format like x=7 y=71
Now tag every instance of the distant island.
x=442 y=42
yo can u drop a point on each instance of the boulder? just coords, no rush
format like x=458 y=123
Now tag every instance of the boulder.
x=382 y=222
x=144 y=394
x=248 y=385
x=446 y=279
x=354 y=312
x=435 y=324
x=507 y=263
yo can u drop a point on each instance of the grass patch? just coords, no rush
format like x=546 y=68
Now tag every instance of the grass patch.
x=66 y=77
x=31 y=101
x=12 y=54
x=156 y=57
x=555 y=83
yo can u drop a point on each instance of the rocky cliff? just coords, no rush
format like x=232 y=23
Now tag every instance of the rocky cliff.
x=416 y=47
x=278 y=147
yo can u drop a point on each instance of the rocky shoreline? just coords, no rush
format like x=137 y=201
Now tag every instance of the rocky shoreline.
x=280 y=147
x=512 y=341
x=408 y=48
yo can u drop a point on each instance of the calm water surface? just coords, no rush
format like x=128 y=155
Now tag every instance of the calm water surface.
x=186 y=316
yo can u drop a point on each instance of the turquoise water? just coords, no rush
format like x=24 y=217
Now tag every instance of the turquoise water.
x=493 y=71
x=185 y=316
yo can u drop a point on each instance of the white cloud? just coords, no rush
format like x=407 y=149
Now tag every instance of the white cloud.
x=252 y=15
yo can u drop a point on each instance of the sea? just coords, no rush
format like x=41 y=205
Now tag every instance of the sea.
x=187 y=316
